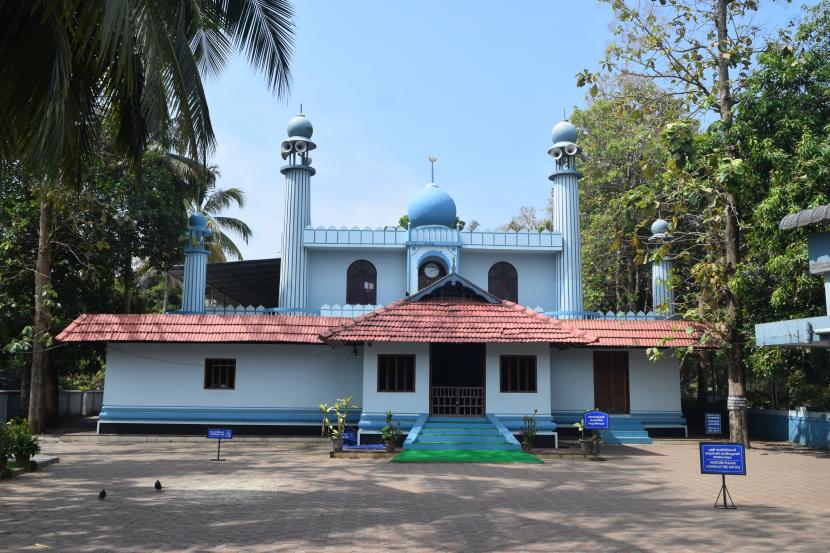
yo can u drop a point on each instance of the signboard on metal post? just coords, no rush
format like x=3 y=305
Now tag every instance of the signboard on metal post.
x=723 y=459
x=219 y=434
x=713 y=423
x=595 y=420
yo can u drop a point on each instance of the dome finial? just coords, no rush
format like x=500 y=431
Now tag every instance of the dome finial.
x=432 y=160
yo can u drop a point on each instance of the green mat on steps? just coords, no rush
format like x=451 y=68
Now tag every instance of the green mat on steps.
x=464 y=456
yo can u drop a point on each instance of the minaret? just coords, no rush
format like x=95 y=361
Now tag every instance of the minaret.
x=195 y=265
x=661 y=266
x=297 y=213
x=565 y=198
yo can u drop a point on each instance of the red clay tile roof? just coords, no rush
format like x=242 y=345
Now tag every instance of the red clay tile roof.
x=642 y=333
x=444 y=320
x=455 y=321
x=198 y=328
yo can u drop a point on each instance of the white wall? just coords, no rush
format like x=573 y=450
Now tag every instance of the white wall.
x=653 y=386
x=517 y=403
x=399 y=402
x=537 y=284
x=327 y=274
x=267 y=375
x=571 y=380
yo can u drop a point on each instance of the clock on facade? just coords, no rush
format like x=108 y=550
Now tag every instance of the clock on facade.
x=431 y=270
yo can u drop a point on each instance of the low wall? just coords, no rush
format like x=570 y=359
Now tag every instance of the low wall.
x=9 y=404
x=71 y=403
x=811 y=428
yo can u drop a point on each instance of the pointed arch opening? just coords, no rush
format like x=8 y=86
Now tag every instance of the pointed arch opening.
x=361 y=283
x=503 y=281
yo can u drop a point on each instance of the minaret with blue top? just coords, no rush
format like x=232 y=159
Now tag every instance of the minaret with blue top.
x=661 y=267
x=297 y=214
x=195 y=265
x=565 y=198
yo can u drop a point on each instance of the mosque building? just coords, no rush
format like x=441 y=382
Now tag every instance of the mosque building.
x=435 y=323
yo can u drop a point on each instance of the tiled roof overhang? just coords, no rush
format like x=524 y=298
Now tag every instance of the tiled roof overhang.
x=190 y=328
x=644 y=334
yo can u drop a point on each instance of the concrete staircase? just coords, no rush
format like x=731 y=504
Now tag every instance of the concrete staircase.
x=462 y=433
x=623 y=430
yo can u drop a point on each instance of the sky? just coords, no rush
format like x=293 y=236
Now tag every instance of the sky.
x=477 y=84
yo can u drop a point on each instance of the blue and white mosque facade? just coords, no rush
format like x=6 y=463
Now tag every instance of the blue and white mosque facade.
x=426 y=321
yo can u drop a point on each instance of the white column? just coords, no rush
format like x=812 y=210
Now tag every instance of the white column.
x=661 y=289
x=297 y=216
x=565 y=197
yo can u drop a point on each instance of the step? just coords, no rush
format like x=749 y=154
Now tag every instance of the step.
x=457 y=426
x=459 y=432
x=460 y=439
x=504 y=446
x=459 y=420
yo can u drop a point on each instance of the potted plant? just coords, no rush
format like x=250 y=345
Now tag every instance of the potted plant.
x=529 y=431
x=335 y=430
x=5 y=445
x=391 y=433
x=586 y=445
x=24 y=445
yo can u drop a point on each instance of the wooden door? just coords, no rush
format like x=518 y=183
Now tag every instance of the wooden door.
x=611 y=381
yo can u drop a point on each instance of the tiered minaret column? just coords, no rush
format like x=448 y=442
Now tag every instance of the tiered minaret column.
x=293 y=289
x=661 y=268
x=195 y=265
x=565 y=199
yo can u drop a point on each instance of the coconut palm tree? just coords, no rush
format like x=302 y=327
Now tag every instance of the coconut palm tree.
x=67 y=64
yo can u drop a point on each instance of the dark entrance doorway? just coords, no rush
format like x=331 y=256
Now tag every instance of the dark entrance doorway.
x=611 y=381
x=456 y=380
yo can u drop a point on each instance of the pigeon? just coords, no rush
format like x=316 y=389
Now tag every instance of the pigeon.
x=103 y=494
x=158 y=486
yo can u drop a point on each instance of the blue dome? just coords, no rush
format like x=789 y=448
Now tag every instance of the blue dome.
x=659 y=227
x=197 y=220
x=563 y=131
x=300 y=127
x=431 y=206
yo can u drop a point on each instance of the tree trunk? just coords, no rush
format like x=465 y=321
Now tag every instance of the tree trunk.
x=736 y=402
x=702 y=366
x=128 y=281
x=43 y=318
x=25 y=385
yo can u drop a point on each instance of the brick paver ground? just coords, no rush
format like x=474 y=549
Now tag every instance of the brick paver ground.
x=283 y=497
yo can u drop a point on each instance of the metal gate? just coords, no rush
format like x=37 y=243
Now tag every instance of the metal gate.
x=457 y=401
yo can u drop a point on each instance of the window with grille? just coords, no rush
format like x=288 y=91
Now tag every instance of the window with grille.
x=361 y=283
x=220 y=374
x=396 y=373
x=503 y=281
x=518 y=373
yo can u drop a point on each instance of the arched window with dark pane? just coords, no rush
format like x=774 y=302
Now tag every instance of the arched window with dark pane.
x=503 y=281
x=361 y=283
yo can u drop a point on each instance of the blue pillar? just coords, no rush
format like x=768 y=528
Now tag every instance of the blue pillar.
x=565 y=200
x=661 y=268
x=293 y=292
x=195 y=265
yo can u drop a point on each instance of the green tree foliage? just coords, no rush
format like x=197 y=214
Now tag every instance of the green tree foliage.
x=69 y=64
x=621 y=130
x=782 y=127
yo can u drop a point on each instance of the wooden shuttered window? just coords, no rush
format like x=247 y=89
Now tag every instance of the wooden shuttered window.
x=518 y=373
x=220 y=374
x=396 y=373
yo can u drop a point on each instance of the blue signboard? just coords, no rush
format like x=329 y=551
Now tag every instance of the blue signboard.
x=220 y=433
x=722 y=458
x=713 y=423
x=595 y=420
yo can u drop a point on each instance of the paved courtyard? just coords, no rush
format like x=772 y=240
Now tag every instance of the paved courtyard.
x=283 y=497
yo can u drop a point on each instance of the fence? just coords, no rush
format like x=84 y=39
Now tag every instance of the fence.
x=804 y=427
x=71 y=403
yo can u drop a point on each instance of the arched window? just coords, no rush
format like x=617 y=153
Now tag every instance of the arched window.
x=503 y=281
x=361 y=283
x=431 y=270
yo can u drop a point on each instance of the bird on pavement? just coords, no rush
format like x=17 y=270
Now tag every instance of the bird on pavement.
x=103 y=494
x=158 y=486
